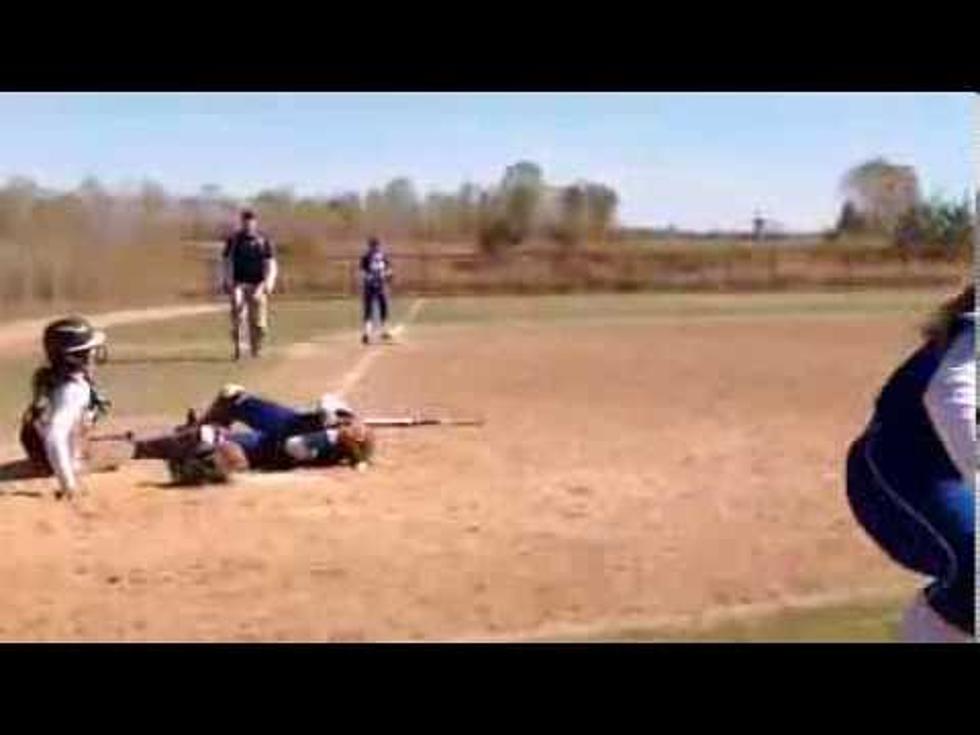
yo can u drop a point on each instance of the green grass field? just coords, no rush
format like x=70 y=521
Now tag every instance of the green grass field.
x=591 y=308
x=864 y=622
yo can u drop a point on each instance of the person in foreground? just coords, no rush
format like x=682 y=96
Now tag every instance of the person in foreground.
x=912 y=474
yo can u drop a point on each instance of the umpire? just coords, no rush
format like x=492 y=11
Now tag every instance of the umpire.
x=249 y=276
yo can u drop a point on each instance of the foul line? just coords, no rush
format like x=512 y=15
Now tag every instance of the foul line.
x=360 y=368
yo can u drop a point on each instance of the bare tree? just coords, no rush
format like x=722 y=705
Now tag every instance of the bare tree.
x=882 y=192
x=521 y=190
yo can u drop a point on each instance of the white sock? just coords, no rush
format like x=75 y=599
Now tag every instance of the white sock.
x=922 y=624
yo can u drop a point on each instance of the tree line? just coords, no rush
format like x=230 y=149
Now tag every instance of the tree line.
x=884 y=198
x=881 y=199
x=521 y=207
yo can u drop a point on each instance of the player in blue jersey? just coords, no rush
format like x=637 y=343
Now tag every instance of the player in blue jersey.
x=911 y=475
x=376 y=274
x=241 y=431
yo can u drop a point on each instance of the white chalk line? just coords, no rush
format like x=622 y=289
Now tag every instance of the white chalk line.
x=356 y=373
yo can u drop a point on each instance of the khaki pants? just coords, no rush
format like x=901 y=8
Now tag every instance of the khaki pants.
x=249 y=302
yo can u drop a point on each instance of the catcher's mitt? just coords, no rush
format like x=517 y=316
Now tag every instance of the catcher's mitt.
x=208 y=465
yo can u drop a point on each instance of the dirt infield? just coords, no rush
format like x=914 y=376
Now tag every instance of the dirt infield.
x=628 y=470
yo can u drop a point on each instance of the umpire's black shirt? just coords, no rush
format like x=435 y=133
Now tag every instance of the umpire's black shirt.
x=248 y=254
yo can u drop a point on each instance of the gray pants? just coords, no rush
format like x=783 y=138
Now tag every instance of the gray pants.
x=249 y=306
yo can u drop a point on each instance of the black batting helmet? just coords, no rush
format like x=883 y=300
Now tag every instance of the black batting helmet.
x=68 y=341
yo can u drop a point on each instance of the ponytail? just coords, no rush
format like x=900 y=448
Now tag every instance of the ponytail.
x=939 y=329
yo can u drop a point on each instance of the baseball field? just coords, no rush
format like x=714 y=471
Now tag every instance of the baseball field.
x=652 y=467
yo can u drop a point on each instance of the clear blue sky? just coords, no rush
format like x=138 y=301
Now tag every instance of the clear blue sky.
x=693 y=160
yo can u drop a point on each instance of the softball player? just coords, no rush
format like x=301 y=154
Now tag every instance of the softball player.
x=911 y=475
x=276 y=437
x=376 y=274
x=65 y=402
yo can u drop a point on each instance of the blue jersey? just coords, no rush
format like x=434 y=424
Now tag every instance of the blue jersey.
x=375 y=268
x=901 y=422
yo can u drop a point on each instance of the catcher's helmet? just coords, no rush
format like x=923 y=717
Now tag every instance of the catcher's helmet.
x=69 y=341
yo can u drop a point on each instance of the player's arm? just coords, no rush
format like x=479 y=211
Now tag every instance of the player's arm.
x=951 y=402
x=69 y=404
x=271 y=268
x=227 y=266
x=311 y=446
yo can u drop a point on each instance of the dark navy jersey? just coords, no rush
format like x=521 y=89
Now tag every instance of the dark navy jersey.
x=902 y=424
x=374 y=267
x=248 y=255
x=266 y=450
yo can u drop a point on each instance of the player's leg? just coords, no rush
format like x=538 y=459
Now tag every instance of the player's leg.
x=950 y=508
x=33 y=444
x=883 y=514
x=258 y=318
x=367 y=302
x=259 y=448
x=922 y=624
x=383 y=313
x=237 y=304
x=925 y=525
x=235 y=404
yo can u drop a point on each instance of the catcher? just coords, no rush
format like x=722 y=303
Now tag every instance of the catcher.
x=65 y=403
x=207 y=449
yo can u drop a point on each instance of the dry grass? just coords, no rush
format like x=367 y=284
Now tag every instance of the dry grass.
x=57 y=275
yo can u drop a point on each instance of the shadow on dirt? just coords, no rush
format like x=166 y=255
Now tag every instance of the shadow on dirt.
x=19 y=470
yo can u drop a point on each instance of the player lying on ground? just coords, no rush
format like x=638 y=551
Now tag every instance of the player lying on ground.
x=275 y=437
x=911 y=476
x=65 y=403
